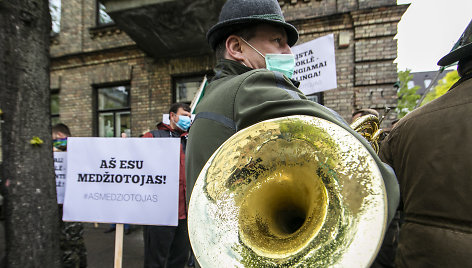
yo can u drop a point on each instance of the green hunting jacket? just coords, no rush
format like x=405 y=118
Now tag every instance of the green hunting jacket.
x=430 y=150
x=238 y=97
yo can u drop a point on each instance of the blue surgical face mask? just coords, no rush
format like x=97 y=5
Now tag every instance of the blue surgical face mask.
x=282 y=63
x=183 y=123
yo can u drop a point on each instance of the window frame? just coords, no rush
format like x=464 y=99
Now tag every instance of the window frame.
x=189 y=76
x=320 y=97
x=114 y=111
x=51 y=114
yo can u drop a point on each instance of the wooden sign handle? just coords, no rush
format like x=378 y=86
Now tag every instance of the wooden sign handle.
x=118 y=245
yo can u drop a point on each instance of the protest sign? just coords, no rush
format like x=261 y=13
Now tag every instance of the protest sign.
x=115 y=180
x=315 y=65
x=60 y=168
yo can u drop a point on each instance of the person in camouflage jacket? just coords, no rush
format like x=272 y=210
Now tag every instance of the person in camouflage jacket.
x=74 y=253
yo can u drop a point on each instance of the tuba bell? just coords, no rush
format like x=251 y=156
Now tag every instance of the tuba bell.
x=295 y=191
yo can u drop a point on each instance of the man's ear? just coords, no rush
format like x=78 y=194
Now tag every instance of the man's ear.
x=233 y=48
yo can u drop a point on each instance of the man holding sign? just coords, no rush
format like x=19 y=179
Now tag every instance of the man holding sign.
x=169 y=244
x=74 y=253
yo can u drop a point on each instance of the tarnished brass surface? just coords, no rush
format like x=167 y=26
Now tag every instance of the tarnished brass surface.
x=296 y=191
x=369 y=127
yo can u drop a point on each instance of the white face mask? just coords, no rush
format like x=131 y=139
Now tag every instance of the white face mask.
x=282 y=63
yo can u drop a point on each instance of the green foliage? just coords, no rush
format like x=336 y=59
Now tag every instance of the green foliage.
x=36 y=141
x=443 y=86
x=407 y=97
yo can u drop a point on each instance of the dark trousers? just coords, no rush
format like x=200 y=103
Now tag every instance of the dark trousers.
x=386 y=256
x=166 y=246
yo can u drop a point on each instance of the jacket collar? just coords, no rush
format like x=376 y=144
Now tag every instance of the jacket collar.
x=163 y=126
x=465 y=77
x=226 y=67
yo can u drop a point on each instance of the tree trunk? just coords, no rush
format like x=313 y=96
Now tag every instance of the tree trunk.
x=28 y=181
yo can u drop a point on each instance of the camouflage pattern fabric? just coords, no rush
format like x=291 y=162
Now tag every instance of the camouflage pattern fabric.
x=74 y=253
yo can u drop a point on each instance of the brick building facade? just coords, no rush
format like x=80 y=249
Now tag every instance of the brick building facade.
x=106 y=85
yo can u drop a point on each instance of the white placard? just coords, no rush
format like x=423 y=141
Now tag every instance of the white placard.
x=60 y=168
x=118 y=180
x=315 y=66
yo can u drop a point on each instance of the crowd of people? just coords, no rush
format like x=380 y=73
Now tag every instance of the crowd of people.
x=428 y=184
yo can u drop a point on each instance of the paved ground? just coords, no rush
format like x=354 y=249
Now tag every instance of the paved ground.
x=101 y=247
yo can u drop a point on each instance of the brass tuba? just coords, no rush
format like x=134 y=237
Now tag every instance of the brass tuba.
x=369 y=127
x=295 y=191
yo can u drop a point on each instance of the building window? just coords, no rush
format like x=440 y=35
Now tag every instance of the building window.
x=317 y=97
x=55 y=107
x=102 y=17
x=55 y=10
x=410 y=84
x=113 y=111
x=185 y=88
